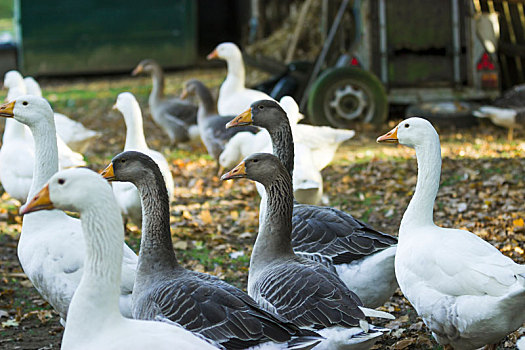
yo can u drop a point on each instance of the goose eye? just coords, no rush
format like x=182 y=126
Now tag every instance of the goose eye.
x=61 y=181
x=261 y=107
x=407 y=125
x=255 y=160
x=123 y=161
x=24 y=103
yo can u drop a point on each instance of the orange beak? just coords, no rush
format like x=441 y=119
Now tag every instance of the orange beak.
x=39 y=202
x=237 y=172
x=6 y=110
x=245 y=118
x=184 y=94
x=212 y=55
x=108 y=173
x=138 y=69
x=389 y=137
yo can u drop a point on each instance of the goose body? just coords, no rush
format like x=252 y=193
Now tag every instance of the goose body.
x=234 y=97
x=176 y=117
x=51 y=249
x=126 y=193
x=94 y=320
x=327 y=235
x=301 y=290
x=199 y=302
x=73 y=133
x=211 y=125
x=466 y=291
x=521 y=343
x=507 y=111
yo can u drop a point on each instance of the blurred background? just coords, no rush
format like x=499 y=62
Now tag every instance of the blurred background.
x=402 y=52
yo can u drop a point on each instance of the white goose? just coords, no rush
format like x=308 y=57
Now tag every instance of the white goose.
x=51 y=248
x=18 y=149
x=16 y=175
x=466 y=291
x=234 y=97
x=126 y=193
x=73 y=133
x=94 y=320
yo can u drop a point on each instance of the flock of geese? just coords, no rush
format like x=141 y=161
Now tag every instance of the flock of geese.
x=316 y=273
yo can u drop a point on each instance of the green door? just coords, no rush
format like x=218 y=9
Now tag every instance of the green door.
x=92 y=36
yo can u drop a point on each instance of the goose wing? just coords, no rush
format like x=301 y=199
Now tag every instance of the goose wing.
x=208 y=306
x=328 y=234
x=314 y=297
x=182 y=110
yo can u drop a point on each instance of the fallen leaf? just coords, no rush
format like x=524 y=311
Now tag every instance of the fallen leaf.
x=403 y=343
x=26 y=284
x=10 y=323
x=182 y=245
x=206 y=217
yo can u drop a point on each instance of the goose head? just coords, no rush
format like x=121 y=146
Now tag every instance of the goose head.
x=28 y=110
x=190 y=88
x=130 y=166
x=13 y=79
x=260 y=167
x=32 y=86
x=226 y=51
x=75 y=189
x=126 y=103
x=147 y=65
x=266 y=114
x=411 y=132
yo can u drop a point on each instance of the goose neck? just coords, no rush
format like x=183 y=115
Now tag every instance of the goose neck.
x=99 y=288
x=46 y=154
x=206 y=102
x=274 y=238
x=283 y=147
x=157 y=91
x=156 y=247
x=236 y=75
x=420 y=210
x=135 y=138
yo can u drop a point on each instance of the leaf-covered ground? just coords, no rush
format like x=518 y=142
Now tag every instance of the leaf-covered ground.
x=214 y=223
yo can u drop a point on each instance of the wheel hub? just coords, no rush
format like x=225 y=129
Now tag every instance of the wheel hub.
x=348 y=102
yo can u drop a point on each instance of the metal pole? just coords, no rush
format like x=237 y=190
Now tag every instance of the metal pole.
x=382 y=42
x=455 y=41
x=324 y=52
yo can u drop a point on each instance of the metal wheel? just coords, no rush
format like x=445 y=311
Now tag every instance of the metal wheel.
x=344 y=96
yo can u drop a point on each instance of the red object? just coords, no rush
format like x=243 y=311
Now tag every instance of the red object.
x=485 y=63
x=355 y=62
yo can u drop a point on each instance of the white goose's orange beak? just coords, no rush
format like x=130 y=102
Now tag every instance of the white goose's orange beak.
x=389 y=137
x=39 y=202
x=6 y=110
x=212 y=55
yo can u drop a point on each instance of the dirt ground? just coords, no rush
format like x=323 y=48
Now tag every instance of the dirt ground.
x=214 y=224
